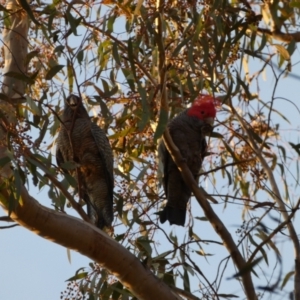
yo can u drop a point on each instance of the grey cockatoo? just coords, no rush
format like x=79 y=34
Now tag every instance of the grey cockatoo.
x=85 y=143
x=188 y=131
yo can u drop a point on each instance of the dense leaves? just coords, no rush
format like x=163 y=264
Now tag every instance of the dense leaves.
x=135 y=64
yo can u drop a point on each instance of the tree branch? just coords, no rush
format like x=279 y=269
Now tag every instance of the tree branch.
x=57 y=227
x=215 y=221
x=90 y=241
x=9 y=226
x=6 y=219
x=277 y=198
x=277 y=229
x=281 y=36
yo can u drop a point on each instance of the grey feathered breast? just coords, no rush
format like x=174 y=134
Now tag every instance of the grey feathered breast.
x=84 y=142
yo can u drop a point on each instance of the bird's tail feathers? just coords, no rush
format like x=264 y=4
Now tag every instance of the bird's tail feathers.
x=173 y=215
x=100 y=217
x=105 y=217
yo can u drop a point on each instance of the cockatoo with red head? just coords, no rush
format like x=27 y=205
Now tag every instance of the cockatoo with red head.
x=188 y=130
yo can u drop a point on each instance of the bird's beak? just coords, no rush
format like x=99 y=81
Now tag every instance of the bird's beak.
x=72 y=101
x=209 y=121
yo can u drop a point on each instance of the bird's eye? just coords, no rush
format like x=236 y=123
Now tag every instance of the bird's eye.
x=202 y=112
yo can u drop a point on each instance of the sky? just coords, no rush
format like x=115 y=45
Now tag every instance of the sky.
x=33 y=268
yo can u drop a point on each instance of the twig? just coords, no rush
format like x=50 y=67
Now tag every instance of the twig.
x=201 y=273
x=185 y=294
x=74 y=204
x=277 y=229
x=6 y=219
x=9 y=226
x=227 y=165
x=121 y=45
x=280 y=36
x=280 y=203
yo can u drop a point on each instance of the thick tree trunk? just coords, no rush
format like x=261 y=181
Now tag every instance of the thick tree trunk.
x=15 y=51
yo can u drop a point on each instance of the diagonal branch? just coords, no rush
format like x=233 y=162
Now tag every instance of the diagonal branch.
x=215 y=221
x=90 y=241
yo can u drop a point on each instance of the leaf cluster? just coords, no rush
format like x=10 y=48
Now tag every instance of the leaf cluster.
x=136 y=64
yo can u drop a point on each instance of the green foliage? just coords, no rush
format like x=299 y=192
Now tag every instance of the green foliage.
x=136 y=66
